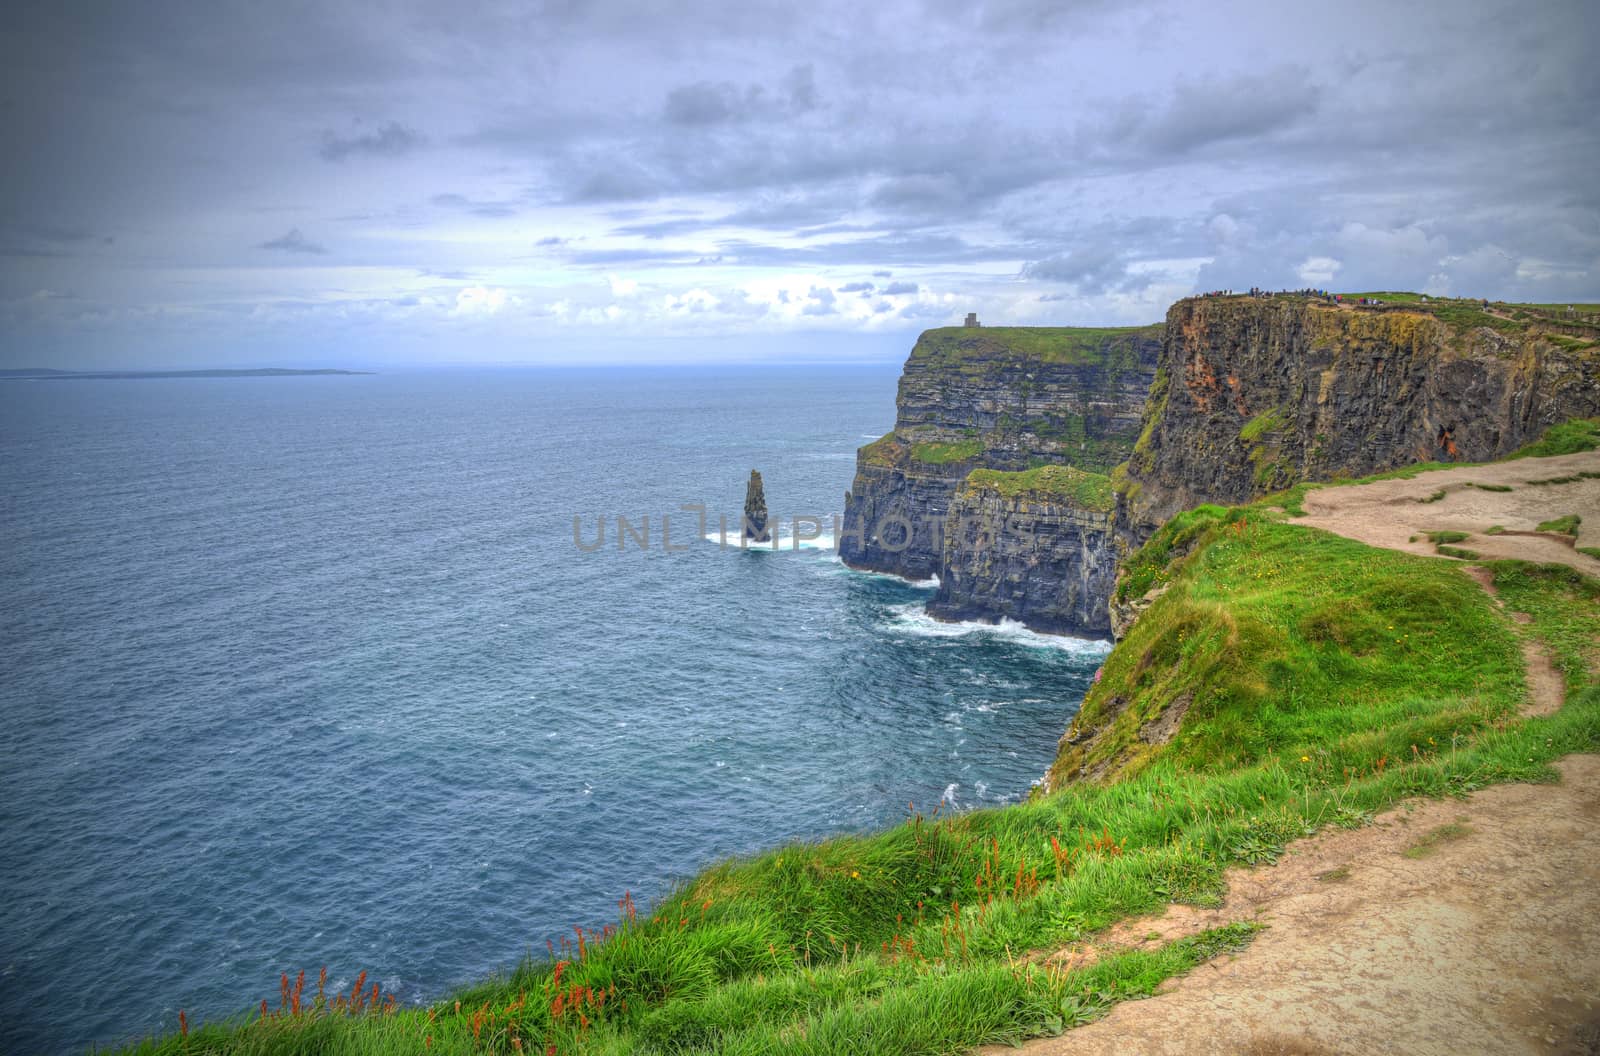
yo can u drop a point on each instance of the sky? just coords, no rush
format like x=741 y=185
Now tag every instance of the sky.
x=381 y=182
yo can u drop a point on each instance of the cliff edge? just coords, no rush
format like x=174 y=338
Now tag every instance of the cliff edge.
x=999 y=400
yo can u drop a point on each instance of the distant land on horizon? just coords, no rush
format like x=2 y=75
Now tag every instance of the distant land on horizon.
x=52 y=374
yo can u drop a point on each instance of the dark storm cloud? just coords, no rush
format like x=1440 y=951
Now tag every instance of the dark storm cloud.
x=1089 y=269
x=1115 y=150
x=292 y=241
x=391 y=140
x=1200 y=113
x=722 y=102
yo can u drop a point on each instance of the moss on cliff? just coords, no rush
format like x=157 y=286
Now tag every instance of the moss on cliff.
x=937 y=454
x=1265 y=422
x=887 y=450
x=1088 y=491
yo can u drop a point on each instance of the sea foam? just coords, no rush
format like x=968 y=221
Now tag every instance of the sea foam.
x=911 y=619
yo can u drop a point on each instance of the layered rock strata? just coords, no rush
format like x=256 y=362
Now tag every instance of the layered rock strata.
x=1004 y=398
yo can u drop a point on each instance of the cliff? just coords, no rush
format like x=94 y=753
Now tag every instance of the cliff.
x=1032 y=546
x=1253 y=396
x=1001 y=398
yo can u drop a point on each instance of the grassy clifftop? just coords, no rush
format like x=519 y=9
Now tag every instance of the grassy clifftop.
x=1079 y=346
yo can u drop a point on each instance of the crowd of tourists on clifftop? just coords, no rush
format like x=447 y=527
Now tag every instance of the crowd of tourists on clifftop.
x=1324 y=296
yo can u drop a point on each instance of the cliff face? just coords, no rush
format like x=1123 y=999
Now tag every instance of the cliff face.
x=1005 y=398
x=1253 y=396
x=1032 y=546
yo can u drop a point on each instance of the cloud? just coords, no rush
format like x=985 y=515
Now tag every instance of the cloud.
x=489 y=209
x=705 y=103
x=480 y=300
x=389 y=140
x=821 y=302
x=1090 y=269
x=1318 y=271
x=1109 y=155
x=1199 y=113
x=857 y=287
x=292 y=241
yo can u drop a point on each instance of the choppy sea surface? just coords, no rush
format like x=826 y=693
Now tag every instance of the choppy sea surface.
x=310 y=671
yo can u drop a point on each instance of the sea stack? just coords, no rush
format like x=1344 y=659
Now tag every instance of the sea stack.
x=755 y=511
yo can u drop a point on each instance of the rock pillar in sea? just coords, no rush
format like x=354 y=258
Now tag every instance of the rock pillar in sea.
x=755 y=511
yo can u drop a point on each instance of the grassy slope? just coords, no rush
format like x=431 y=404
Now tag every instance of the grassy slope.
x=1329 y=680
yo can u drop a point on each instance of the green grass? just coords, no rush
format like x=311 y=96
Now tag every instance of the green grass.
x=1490 y=487
x=1567 y=525
x=1089 y=491
x=1288 y=640
x=939 y=454
x=1265 y=422
x=1457 y=552
x=1448 y=536
x=1460 y=313
x=1590 y=551
x=1567 y=438
x=884 y=451
x=1565 y=606
x=1113 y=347
x=1581 y=308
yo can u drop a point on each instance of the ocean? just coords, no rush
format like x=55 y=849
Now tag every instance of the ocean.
x=315 y=671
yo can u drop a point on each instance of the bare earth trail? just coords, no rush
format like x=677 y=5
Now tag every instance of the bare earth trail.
x=1487 y=942
x=1447 y=927
x=1389 y=513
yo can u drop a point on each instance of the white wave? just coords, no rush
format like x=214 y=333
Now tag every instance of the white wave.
x=950 y=794
x=931 y=583
x=785 y=539
x=912 y=620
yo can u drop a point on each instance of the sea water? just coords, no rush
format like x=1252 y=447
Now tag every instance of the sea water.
x=329 y=671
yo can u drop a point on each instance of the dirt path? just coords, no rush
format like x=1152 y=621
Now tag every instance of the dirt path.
x=1547 y=688
x=1445 y=927
x=1395 y=513
x=1450 y=928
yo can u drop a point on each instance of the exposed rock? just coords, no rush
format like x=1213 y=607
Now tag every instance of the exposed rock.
x=1033 y=547
x=1006 y=398
x=1123 y=613
x=755 y=511
x=1253 y=396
